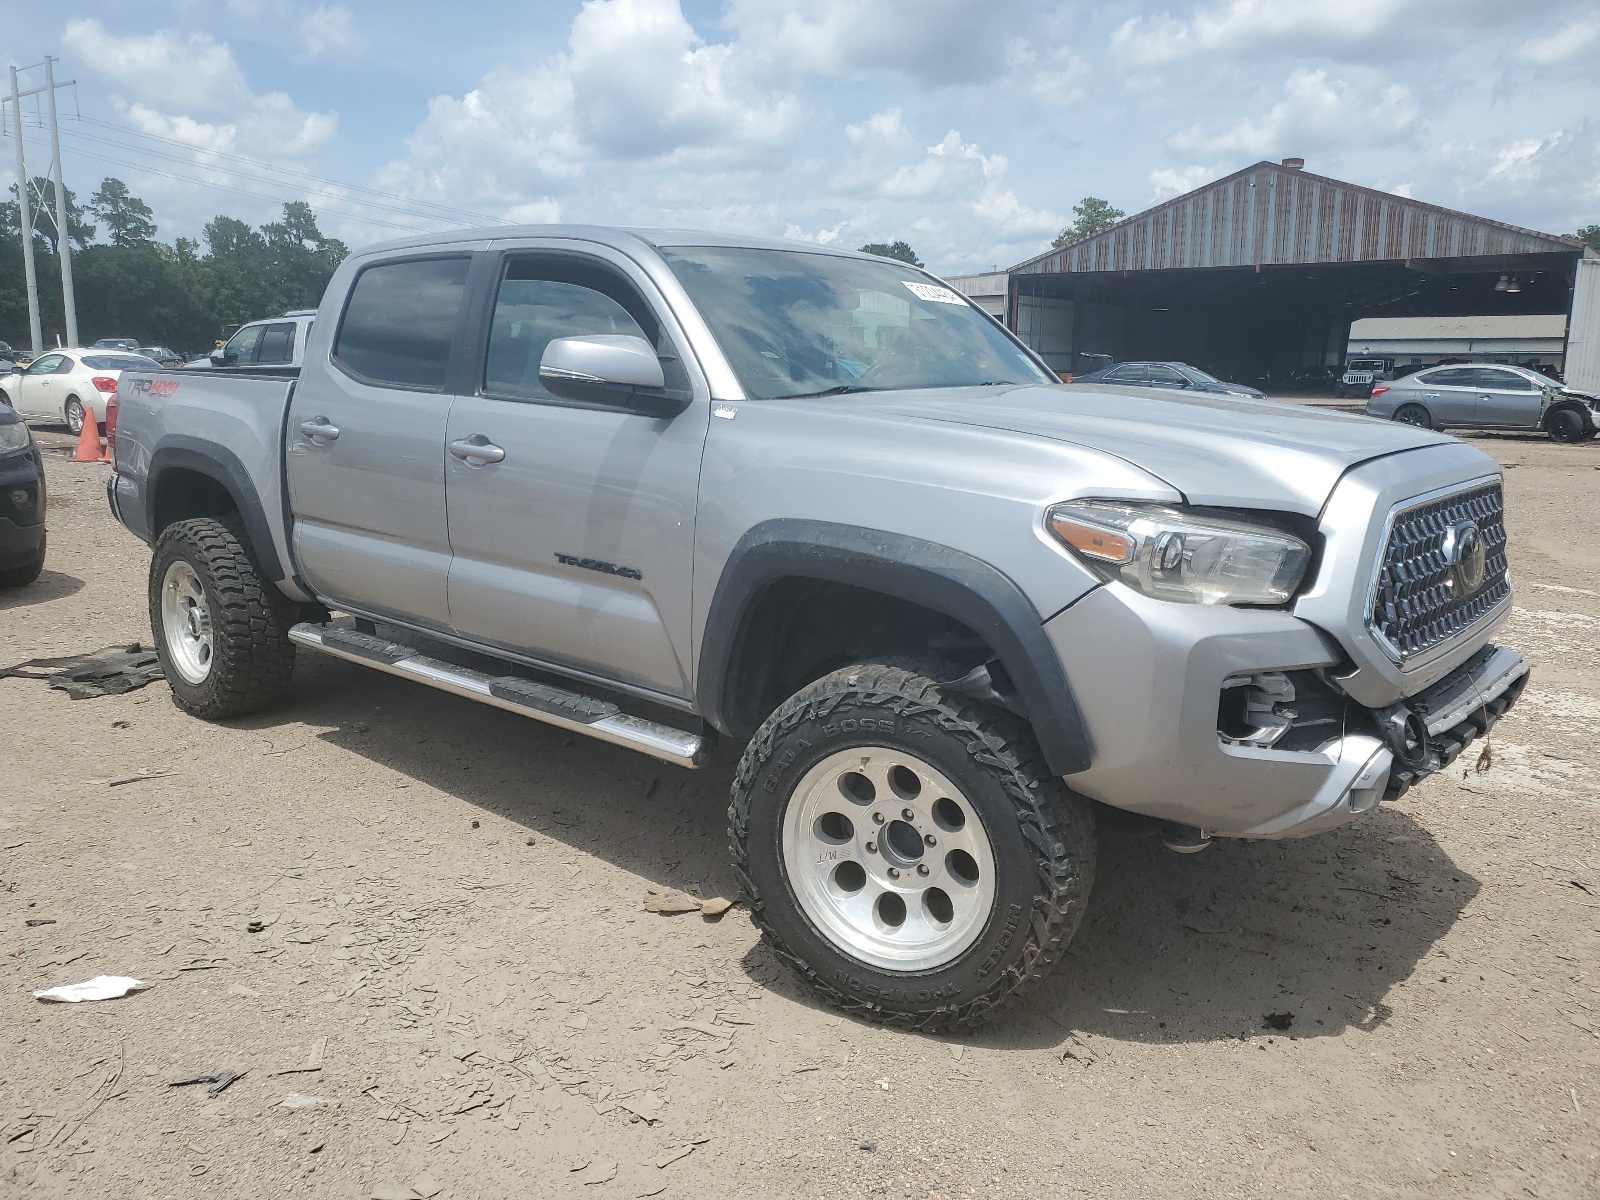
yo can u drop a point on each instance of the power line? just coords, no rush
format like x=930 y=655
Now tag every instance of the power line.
x=407 y=200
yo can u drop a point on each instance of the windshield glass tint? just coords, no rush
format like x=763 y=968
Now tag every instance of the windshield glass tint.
x=802 y=324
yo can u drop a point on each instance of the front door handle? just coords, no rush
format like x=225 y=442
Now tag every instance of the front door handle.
x=477 y=451
x=319 y=429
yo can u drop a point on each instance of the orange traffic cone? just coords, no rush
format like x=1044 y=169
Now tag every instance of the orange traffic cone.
x=89 y=440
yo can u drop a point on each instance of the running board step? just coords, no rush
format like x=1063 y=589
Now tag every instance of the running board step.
x=529 y=698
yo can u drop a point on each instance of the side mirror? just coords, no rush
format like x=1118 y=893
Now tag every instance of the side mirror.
x=614 y=369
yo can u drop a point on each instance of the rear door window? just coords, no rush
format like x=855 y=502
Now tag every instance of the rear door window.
x=277 y=344
x=400 y=322
x=1165 y=375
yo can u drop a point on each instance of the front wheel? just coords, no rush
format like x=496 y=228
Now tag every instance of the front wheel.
x=1569 y=425
x=222 y=634
x=22 y=576
x=906 y=851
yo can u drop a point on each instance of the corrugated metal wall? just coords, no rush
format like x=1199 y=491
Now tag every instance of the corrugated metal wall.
x=1583 y=329
x=1270 y=215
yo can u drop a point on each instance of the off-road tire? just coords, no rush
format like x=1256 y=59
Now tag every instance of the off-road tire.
x=1569 y=424
x=16 y=577
x=1042 y=835
x=252 y=656
x=1413 y=414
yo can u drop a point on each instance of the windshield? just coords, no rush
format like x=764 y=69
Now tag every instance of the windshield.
x=1364 y=364
x=1544 y=380
x=794 y=323
x=115 y=362
x=1196 y=375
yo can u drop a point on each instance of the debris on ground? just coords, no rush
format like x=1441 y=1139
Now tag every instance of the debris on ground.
x=101 y=987
x=672 y=1156
x=867 y=1144
x=658 y=899
x=669 y=900
x=139 y=776
x=219 y=1081
x=109 y=672
x=296 y=1100
x=313 y=1060
x=1278 y=1020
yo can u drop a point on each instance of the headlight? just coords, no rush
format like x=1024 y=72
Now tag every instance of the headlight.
x=1171 y=554
x=13 y=436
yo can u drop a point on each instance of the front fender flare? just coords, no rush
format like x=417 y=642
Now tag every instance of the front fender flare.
x=937 y=577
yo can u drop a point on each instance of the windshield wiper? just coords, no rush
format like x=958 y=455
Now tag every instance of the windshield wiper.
x=844 y=389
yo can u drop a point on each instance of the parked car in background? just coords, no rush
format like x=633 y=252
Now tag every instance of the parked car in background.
x=163 y=355
x=1360 y=374
x=21 y=503
x=64 y=385
x=1497 y=397
x=1175 y=375
x=128 y=344
x=7 y=355
x=274 y=343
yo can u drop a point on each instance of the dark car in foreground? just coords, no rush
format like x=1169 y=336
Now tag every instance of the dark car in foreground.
x=21 y=503
x=1174 y=375
x=1488 y=397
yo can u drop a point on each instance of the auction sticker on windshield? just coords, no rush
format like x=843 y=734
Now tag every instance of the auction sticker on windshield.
x=938 y=295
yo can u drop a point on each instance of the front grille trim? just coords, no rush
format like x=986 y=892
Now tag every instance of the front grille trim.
x=1408 y=611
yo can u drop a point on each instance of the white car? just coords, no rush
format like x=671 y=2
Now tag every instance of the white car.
x=63 y=385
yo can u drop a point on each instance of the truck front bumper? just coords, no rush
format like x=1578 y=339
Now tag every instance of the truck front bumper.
x=1150 y=676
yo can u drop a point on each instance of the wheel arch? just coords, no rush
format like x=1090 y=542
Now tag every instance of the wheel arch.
x=906 y=571
x=190 y=477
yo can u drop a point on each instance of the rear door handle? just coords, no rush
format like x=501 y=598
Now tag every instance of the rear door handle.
x=319 y=429
x=477 y=451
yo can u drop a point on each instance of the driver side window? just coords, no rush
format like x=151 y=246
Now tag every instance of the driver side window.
x=540 y=301
x=241 y=348
x=46 y=365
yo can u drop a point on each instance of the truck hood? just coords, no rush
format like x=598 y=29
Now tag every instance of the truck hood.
x=1217 y=450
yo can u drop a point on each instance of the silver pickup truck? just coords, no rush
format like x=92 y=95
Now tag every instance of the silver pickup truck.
x=679 y=487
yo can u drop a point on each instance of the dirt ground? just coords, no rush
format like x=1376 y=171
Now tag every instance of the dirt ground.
x=451 y=901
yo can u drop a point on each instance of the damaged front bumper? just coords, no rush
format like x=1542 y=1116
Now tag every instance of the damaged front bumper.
x=1181 y=720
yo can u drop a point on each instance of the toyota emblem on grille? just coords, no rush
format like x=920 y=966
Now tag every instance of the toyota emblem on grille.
x=1467 y=557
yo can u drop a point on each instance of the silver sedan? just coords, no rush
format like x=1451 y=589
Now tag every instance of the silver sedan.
x=1464 y=396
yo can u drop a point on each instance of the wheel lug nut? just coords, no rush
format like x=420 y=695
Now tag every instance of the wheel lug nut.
x=872 y=847
x=877 y=818
x=894 y=873
x=908 y=814
x=922 y=868
x=930 y=840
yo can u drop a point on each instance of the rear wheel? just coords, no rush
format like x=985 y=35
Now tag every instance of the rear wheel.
x=907 y=852
x=1414 y=414
x=75 y=415
x=1569 y=425
x=222 y=633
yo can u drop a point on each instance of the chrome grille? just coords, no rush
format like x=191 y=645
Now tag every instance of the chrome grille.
x=1419 y=601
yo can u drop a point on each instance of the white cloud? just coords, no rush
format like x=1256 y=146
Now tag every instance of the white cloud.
x=1575 y=42
x=1166 y=183
x=329 y=31
x=190 y=87
x=1317 y=112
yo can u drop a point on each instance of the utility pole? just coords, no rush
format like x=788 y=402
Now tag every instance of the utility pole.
x=34 y=329
x=69 y=301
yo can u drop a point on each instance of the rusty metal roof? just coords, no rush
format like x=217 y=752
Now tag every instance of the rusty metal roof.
x=1268 y=214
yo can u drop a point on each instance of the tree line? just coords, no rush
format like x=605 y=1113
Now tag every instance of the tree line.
x=129 y=284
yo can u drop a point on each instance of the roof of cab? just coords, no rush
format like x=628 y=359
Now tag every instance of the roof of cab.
x=608 y=235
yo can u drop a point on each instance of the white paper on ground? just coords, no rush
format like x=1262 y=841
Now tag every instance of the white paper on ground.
x=101 y=987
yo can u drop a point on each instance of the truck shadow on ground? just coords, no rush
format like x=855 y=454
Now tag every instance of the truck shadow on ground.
x=1172 y=948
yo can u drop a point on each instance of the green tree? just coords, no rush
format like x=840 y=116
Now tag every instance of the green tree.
x=1093 y=214
x=125 y=216
x=42 y=203
x=895 y=250
x=1590 y=235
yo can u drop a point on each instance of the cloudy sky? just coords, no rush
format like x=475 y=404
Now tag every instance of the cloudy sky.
x=967 y=128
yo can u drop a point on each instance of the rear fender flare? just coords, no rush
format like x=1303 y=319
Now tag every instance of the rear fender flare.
x=222 y=466
x=936 y=577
